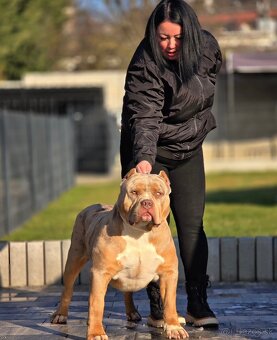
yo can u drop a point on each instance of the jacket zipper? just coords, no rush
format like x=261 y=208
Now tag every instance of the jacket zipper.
x=202 y=92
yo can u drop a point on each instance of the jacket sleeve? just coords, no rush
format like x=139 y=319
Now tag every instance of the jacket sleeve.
x=143 y=102
x=212 y=55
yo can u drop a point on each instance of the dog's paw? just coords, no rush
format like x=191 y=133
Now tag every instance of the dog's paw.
x=58 y=318
x=175 y=332
x=134 y=316
x=98 y=337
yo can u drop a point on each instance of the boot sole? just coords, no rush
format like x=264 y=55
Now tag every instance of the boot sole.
x=155 y=323
x=160 y=323
x=203 y=322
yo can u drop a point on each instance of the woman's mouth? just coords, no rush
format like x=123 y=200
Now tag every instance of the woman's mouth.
x=171 y=54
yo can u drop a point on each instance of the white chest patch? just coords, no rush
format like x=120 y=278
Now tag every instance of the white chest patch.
x=139 y=259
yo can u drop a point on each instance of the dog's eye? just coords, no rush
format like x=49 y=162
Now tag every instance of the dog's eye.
x=159 y=194
x=134 y=192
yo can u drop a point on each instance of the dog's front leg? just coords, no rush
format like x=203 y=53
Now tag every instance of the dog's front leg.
x=168 y=287
x=99 y=285
x=75 y=261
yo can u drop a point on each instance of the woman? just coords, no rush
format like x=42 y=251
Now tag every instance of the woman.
x=166 y=115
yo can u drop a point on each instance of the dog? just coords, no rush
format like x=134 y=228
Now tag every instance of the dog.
x=130 y=245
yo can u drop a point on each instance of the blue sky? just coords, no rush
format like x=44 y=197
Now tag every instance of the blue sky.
x=97 y=5
x=92 y=4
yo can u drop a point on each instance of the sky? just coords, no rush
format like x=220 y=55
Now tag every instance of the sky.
x=96 y=5
x=92 y=4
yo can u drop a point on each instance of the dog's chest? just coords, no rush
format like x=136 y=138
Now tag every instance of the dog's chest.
x=140 y=262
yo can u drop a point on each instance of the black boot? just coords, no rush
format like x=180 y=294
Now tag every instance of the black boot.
x=155 y=318
x=199 y=313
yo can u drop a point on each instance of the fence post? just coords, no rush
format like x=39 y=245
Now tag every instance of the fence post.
x=4 y=264
x=229 y=259
x=3 y=211
x=53 y=262
x=214 y=259
x=50 y=158
x=70 y=152
x=18 y=264
x=246 y=253
x=6 y=173
x=32 y=167
x=35 y=261
x=264 y=255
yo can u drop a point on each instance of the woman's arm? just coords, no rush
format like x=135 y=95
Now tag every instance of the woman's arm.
x=212 y=55
x=143 y=102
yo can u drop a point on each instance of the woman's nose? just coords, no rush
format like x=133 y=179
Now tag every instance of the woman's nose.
x=172 y=43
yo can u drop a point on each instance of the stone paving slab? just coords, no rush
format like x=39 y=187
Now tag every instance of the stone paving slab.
x=245 y=311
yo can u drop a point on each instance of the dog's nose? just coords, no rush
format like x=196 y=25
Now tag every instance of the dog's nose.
x=147 y=204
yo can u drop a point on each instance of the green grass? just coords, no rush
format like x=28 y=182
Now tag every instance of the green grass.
x=241 y=204
x=238 y=204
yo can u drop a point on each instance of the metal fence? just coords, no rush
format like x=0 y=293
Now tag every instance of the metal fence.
x=36 y=164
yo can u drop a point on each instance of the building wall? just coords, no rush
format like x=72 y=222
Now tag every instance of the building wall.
x=112 y=83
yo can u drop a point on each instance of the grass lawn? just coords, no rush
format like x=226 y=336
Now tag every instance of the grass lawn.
x=238 y=204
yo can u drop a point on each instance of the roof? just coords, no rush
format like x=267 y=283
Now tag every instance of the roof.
x=253 y=62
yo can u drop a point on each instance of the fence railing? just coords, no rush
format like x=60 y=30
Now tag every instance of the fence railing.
x=40 y=263
x=261 y=149
x=36 y=164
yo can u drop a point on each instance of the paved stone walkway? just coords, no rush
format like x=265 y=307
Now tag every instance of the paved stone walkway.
x=245 y=311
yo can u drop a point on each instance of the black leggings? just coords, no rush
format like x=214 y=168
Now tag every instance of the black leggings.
x=187 y=198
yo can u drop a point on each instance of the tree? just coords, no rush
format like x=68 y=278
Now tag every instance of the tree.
x=30 y=35
x=115 y=30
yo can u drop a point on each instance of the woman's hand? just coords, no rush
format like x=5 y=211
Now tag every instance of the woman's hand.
x=144 y=167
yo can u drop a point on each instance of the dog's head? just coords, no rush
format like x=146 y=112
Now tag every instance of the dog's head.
x=144 y=199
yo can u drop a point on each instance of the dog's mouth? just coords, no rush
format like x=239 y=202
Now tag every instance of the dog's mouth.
x=147 y=216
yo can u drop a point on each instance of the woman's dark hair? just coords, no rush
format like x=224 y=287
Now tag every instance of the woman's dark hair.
x=178 y=12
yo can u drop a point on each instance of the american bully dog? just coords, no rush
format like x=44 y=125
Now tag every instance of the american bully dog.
x=130 y=244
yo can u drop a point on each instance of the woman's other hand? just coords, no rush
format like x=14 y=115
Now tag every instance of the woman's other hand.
x=144 y=167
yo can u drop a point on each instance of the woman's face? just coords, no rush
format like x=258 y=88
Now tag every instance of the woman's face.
x=169 y=36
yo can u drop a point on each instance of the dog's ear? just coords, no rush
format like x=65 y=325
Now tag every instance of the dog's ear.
x=129 y=174
x=165 y=177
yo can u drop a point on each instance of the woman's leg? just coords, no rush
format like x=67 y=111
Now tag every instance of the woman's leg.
x=187 y=203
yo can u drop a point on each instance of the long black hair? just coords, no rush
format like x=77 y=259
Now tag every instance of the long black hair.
x=178 y=12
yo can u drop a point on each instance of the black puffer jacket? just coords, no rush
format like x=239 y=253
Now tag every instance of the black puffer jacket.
x=163 y=116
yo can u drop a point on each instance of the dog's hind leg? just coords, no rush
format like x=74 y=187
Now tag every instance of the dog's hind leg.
x=131 y=311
